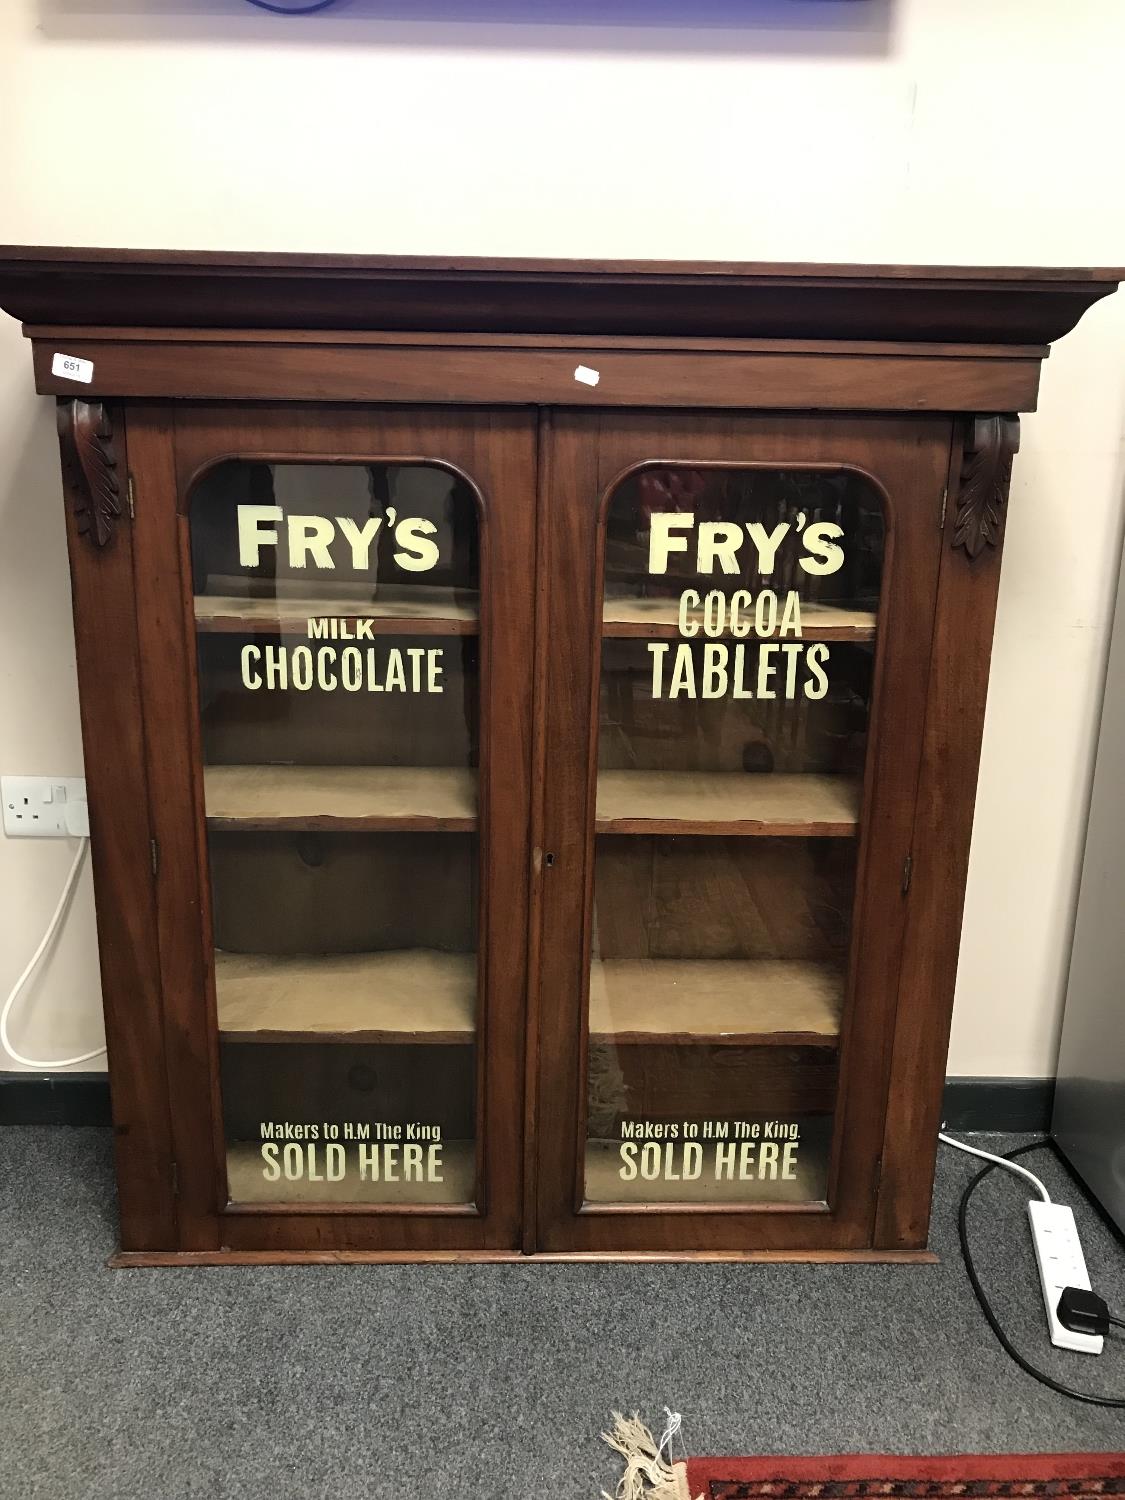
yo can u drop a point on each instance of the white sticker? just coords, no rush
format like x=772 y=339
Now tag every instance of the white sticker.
x=586 y=375
x=70 y=367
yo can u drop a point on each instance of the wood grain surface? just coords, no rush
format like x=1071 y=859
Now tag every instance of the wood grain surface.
x=733 y=1002
x=726 y=802
x=442 y=798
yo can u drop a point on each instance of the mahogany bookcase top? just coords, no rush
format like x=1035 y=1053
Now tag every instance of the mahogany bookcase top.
x=46 y=286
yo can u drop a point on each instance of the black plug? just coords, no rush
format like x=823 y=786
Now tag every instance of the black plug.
x=1082 y=1311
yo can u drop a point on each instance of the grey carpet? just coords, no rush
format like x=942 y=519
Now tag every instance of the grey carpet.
x=459 y=1382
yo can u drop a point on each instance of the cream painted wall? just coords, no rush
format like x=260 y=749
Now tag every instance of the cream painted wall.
x=922 y=130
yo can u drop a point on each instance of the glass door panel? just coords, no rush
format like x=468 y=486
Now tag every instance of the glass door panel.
x=336 y=615
x=738 y=620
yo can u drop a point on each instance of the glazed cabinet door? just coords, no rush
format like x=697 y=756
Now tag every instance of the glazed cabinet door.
x=736 y=636
x=334 y=606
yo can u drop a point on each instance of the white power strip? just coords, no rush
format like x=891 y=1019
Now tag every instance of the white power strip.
x=1061 y=1264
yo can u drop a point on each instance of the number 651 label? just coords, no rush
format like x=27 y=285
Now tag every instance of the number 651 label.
x=70 y=367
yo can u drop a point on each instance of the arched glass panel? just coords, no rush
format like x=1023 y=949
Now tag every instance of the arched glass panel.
x=336 y=611
x=739 y=621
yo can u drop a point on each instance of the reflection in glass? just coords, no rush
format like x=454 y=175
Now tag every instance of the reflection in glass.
x=336 y=612
x=738 y=636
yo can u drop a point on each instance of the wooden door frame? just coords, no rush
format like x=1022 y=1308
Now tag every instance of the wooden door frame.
x=96 y=466
x=980 y=464
x=495 y=449
x=908 y=459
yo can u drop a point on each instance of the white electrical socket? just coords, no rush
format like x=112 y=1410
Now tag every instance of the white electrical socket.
x=1061 y=1264
x=44 y=807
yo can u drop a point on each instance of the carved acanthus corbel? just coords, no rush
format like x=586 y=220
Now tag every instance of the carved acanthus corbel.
x=986 y=472
x=90 y=468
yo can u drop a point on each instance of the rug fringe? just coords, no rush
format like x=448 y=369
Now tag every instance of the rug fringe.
x=647 y=1476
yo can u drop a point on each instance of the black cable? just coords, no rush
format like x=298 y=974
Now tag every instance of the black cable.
x=295 y=10
x=986 y=1306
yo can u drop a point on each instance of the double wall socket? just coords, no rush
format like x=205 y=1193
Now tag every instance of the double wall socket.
x=44 y=807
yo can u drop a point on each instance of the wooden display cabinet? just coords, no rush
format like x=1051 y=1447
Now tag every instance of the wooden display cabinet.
x=531 y=714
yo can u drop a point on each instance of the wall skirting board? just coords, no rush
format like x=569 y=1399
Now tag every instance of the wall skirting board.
x=998 y=1103
x=54 y=1099
x=83 y=1099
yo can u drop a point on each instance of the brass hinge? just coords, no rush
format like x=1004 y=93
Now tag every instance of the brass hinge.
x=907 y=872
x=944 y=501
x=131 y=498
x=155 y=847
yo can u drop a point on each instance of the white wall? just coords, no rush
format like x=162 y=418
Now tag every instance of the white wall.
x=922 y=130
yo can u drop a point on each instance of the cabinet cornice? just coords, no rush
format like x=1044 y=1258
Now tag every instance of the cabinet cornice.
x=78 y=288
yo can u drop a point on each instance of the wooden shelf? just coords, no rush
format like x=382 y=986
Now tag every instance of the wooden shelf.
x=727 y=802
x=394 y=611
x=604 y=1184
x=726 y=1002
x=413 y=996
x=246 y=1184
x=658 y=619
x=341 y=798
x=423 y=997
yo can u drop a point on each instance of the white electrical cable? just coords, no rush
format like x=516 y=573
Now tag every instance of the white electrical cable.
x=1000 y=1161
x=14 y=993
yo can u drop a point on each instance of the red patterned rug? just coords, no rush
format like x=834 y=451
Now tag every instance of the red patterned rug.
x=1054 y=1476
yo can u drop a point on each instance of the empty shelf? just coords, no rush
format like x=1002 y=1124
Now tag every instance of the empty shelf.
x=658 y=619
x=331 y=798
x=406 y=996
x=393 y=611
x=726 y=802
x=731 y=1002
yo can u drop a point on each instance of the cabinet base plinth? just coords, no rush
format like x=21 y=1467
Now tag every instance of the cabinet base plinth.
x=129 y=1259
